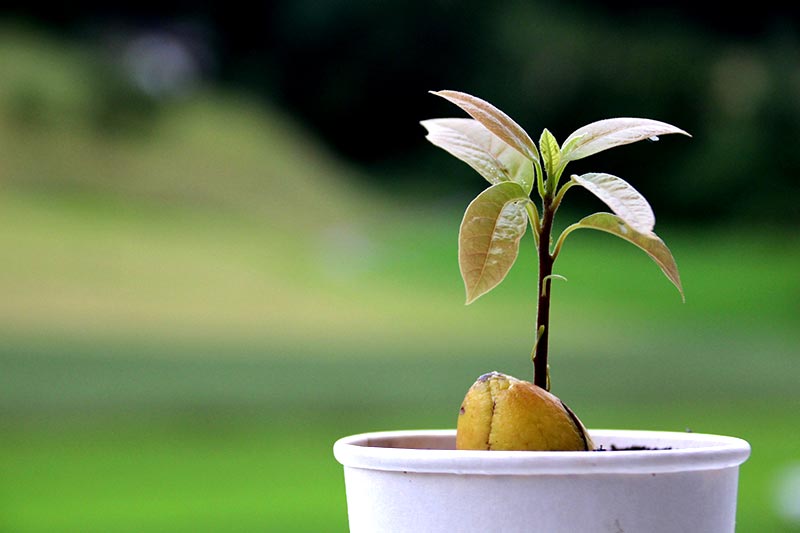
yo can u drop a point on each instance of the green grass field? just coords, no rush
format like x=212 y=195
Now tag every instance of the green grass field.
x=154 y=402
x=191 y=318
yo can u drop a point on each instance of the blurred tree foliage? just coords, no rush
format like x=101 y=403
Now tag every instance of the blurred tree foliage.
x=358 y=73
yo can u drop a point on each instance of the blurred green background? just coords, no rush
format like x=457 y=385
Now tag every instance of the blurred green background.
x=226 y=244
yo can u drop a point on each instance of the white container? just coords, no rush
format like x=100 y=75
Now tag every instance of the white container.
x=415 y=481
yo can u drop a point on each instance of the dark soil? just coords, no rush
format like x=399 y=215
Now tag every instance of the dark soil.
x=615 y=448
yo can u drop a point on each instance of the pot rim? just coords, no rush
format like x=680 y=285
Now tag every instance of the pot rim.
x=431 y=451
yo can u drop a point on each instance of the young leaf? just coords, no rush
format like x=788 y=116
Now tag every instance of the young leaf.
x=488 y=240
x=551 y=154
x=605 y=134
x=494 y=120
x=623 y=199
x=484 y=151
x=649 y=242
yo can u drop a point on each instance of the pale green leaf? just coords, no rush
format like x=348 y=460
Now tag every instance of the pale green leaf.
x=605 y=134
x=494 y=120
x=488 y=240
x=621 y=197
x=551 y=154
x=484 y=151
x=650 y=243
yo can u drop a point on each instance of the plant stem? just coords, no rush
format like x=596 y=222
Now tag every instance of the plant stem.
x=540 y=369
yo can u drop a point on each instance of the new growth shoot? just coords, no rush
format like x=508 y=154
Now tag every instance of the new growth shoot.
x=496 y=220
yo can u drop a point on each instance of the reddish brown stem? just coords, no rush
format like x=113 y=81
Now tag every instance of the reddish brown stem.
x=540 y=370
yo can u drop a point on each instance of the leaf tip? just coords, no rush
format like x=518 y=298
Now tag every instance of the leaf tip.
x=470 y=298
x=675 y=278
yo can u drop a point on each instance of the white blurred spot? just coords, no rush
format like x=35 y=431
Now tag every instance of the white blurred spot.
x=161 y=65
x=788 y=494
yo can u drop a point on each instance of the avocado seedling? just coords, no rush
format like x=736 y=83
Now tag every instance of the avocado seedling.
x=500 y=412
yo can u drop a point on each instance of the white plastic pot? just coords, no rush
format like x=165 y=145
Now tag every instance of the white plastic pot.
x=415 y=481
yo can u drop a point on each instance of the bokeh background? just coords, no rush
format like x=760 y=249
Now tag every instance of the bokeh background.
x=225 y=243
